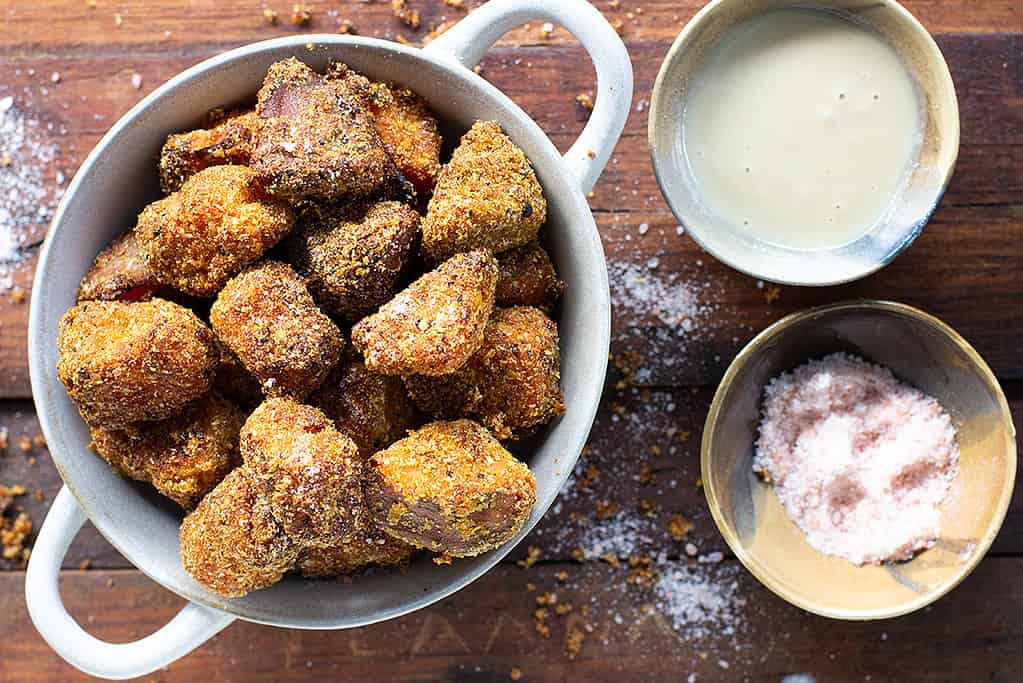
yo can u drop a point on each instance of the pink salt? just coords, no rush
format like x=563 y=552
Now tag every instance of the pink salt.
x=860 y=461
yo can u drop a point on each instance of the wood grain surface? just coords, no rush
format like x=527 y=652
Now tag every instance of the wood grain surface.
x=641 y=466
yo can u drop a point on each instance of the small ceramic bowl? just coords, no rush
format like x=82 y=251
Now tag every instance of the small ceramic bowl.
x=828 y=266
x=920 y=350
x=119 y=178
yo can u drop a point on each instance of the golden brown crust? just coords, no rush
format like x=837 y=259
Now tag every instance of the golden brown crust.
x=310 y=473
x=436 y=323
x=486 y=196
x=409 y=132
x=315 y=139
x=133 y=362
x=183 y=457
x=450 y=487
x=510 y=384
x=266 y=316
x=526 y=277
x=231 y=543
x=196 y=239
x=119 y=273
x=373 y=409
x=226 y=139
x=367 y=548
x=352 y=258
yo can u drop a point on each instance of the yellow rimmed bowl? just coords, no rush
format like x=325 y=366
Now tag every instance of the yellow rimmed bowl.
x=921 y=350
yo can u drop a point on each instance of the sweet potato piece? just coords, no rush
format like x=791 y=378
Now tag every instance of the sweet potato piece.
x=231 y=542
x=450 y=487
x=266 y=316
x=409 y=132
x=119 y=273
x=310 y=473
x=526 y=277
x=436 y=323
x=226 y=138
x=486 y=196
x=315 y=139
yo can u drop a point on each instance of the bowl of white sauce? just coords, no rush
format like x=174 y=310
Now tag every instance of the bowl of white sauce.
x=804 y=144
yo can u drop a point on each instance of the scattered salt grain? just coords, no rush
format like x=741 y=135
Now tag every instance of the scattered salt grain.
x=643 y=228
x=860 y=460
x=26 y=196
x=136 y=81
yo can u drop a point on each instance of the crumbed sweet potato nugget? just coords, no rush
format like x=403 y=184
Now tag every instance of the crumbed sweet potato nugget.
x=118 y=273
x=510 y=384
x=315 y=139
x=183 y=457
x=369 y=547
x=266 y=316
x=353 y=257
x=409 y=132
x=310 y=472
x=526 y=277
x=436 y=323
x=196 y=239
x=486 y=196
x=132 y=362
x=231 y=542
x=450 y=487
x=373 y=409
x=226 y=138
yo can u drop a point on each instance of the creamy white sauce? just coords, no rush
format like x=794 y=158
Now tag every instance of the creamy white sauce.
x=801 y=128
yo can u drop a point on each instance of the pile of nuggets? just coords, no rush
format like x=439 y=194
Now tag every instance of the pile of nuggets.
x=208 y=354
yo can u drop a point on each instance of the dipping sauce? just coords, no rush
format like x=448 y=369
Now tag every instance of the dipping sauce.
x=801 y=128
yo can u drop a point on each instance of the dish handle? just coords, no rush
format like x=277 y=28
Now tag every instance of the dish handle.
x=471 y=37
x=191 y=627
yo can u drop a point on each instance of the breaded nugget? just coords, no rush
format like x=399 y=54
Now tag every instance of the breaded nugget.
x=183 y=457
x=118 y=273
x=436 y=323
x=526 y=277
x=367 y=548
x=450 y=487
x=310 y=472
x=266 y=316
x=133 y=362
x=196 y=239
x=486 y=196
x=510 y=384
x=315 y=139
x=352 y=257
x=225 y=139
x=231 y=542
x=409 y=132
x=373 y=409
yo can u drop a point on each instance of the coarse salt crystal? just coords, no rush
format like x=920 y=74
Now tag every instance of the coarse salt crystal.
x=860 y=460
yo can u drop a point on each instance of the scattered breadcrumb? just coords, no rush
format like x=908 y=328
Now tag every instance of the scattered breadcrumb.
x=4 y=437
x=532 y=556
x=269 y=16
x=13 y=532
x=24 y=443
x=546 y=29
x=679 y=527
x=347 y=27
x=404 y=13
x=300 y=14
x=85 y=565
x=772 y=294
x=585 y=100
x=574 y=641
x=39 y=441
x=516 y=673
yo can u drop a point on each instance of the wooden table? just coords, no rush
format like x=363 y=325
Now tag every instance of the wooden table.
x=641 y=467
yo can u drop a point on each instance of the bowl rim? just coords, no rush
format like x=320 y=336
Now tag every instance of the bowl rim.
x=749 y=351
x=576 y=206
x=655 y=121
